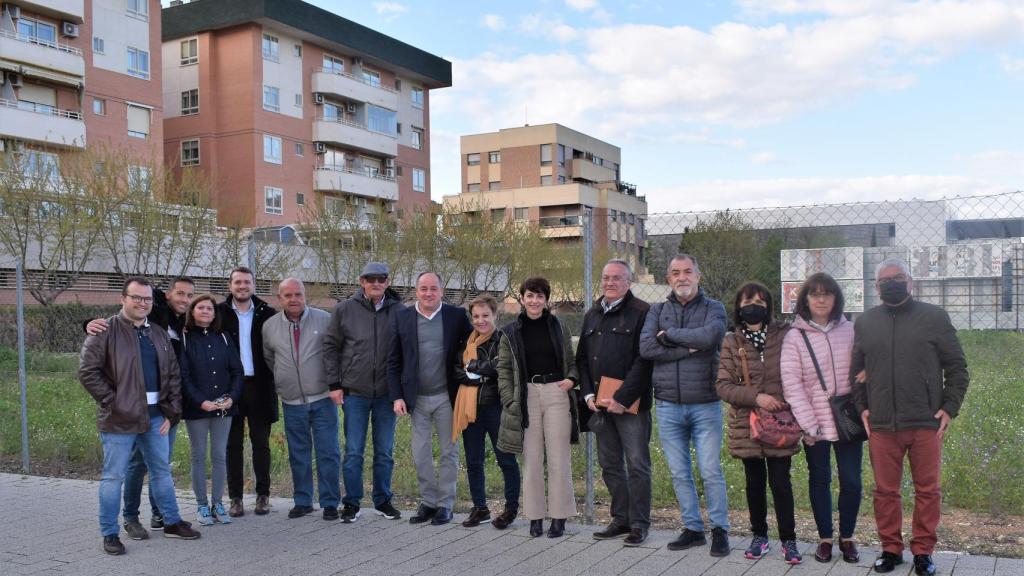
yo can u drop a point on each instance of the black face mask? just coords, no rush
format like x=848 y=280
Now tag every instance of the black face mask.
x=893 y=292
x=753 y=314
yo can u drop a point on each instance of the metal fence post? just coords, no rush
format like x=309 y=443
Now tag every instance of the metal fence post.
x=19 y=272
x=588 y=290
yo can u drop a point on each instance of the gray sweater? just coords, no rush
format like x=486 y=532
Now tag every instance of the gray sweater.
x=300 y=379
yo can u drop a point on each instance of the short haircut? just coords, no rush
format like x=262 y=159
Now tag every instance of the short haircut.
x=824 y=282
x=537 y=285
x=140 y=280
x=893 y=263
x=624 y=264
x=291 y=279
x=185 y=279
x=484 y=300
x=684 y=256
x=243 y=270
x=190 y=319
x=749 y=290
x=424 y=273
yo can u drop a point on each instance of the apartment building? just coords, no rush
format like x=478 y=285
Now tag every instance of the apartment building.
x=77 y=73
x=550 y=175
x=284 y=104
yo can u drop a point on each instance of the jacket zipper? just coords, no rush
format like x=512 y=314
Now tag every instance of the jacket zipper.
x=296 y=356
x=892 y=372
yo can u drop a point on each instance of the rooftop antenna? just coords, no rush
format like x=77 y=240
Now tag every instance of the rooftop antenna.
x=526 y=114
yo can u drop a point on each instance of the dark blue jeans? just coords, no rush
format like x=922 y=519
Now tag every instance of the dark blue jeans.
x=134 y=477
x=819 y=482
x=488 y=417
x=359 y=414
x=309 y=427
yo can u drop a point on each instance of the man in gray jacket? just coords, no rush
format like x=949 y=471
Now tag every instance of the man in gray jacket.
x=293 y=343
x=682 y=336
x=355 y=351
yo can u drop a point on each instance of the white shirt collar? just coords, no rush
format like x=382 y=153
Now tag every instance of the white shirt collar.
x=431 y=317
x=607 y=307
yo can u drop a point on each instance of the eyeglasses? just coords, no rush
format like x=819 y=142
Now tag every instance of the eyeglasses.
x=375 y=279
x=140 y=299
x=893 y=280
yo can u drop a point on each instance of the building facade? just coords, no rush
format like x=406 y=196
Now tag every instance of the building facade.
x=285 y=105
x=553 y=176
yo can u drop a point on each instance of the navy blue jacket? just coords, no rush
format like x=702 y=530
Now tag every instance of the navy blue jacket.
x=210 y=368
x=403 y=352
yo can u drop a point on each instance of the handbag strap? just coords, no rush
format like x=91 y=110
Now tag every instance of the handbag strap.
x=742 y=353
x=814 y=360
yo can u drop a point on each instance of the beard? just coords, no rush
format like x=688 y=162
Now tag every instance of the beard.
x=684 y=291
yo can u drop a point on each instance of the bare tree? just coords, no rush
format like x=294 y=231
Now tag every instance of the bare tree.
x=726 y=248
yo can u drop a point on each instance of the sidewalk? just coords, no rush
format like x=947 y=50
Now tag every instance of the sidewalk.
x=50 y=527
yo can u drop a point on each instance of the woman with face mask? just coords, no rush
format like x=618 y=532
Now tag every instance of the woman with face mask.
x=758 y=337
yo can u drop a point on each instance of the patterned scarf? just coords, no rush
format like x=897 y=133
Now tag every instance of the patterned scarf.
x=756 y=338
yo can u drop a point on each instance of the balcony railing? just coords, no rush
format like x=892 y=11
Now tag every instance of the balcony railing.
x=358 y=172
x=558 y=221
x=40 y=109
x=354 y=124
x=35 y=40
x=357 y=79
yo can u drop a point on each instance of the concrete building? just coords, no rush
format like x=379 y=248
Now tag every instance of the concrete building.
x=551 y=175
x=285 y=104
x=78 y=72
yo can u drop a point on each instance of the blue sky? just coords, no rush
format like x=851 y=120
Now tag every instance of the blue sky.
x=744 y=103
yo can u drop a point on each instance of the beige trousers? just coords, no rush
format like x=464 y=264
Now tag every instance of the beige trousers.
x=548 y=437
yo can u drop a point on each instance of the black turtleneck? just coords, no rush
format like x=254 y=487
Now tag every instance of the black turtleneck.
x=539 y=347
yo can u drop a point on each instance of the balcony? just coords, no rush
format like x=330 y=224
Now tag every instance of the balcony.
x=355 y=88
x=353 y=135
x=586 y=170
x=41 y=53
x=70 y=10
x=560 y=226
x=40 y=123
x=337 y=179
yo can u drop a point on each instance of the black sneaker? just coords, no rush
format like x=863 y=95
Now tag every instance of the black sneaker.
x=330 y=513
x=923 y=565
x=719 y=542
x=477 y=516
x=388 y=511
x=135 y=530
x=112 y=545
x=156 y=522
x=300 y=511
x=350 y=513
x=612 y=531
x=688 y=539
x=424 y=514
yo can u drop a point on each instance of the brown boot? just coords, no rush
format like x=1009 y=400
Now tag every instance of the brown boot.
x=505 y=519
x=236 y=508
x=262 y=505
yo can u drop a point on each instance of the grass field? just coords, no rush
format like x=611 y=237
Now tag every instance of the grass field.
x=983 y=455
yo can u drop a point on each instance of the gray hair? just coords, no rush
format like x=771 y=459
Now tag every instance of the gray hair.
x=624 y=264
x=684 y=256
x=893 y=263
x=288 y=280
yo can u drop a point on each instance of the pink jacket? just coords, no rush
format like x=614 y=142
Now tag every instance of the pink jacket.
x=800 y=385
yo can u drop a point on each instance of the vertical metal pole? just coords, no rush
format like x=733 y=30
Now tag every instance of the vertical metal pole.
x=19 y=271
x=252 y=257
x=588 y=290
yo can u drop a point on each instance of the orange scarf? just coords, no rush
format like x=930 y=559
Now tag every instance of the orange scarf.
x=465 y=400
x=475 y=339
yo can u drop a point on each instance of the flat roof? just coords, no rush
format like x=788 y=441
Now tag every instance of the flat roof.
x=204 y=15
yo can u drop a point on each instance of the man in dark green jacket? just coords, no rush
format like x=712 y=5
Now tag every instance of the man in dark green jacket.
x=909 y=380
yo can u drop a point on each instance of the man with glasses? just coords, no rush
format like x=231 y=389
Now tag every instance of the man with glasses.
x=132 y=373
x=909 y=380
x=355 y=350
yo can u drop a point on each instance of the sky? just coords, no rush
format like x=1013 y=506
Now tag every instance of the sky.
x=737 y=104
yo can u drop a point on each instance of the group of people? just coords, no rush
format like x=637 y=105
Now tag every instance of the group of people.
x=900 y=366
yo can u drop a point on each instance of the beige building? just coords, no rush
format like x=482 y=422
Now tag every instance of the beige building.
x=549 y=175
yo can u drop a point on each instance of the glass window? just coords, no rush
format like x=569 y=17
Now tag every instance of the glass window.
x=138 y=8
x=381 y=120
x=297 y=50
x=417 y=138
x=416 y=96
x=419 y=180
x=494 y=157
x=333 y=64
x=371 y=77
x=189 y=51
x=545 y=154
x=561 y=155
x=99 y=107
x=333 y=111
x=545 y=180
x=270 y=46
x=271 y=98
x=190 y=102
x=522 y=213
x=494 y=185
x=138 y=121
x=189 y=152
x=473 y=187
x=40 y=165
x=271 y=149
x=39 y=32
x=298 y=100
x=497 y=214
x=299 y=149
x=273 y=200
x=333 y=159
x=473 y=159
x=300 y=199
x=138 y=63
x=371 y=166
x=139 y=180
x=98 y=45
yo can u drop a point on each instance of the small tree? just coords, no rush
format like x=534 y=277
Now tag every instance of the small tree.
x=726 y=248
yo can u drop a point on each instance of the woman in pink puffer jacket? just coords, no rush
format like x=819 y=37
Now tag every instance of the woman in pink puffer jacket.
x=819 y=311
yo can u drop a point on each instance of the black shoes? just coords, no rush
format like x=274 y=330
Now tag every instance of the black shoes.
x=112 y=545
x=424 y=514
x=136 y=531
x=443 y=516
x=636 y=537
x=887 y=562
x=557 y=529
x=849 y=550
x=388 y=511
x=536 y=528
x=505 y=519
x=687 y=539
x=477 y=516
x=262 y=506
x=298 y=511
x=156 y=522
x=181 y=530
x=923 y=565
x=612 y=531
x=719 y=542
x=349 y=513
x=330 y=513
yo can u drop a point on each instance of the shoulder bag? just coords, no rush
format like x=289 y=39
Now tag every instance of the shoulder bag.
x=848 y=423
x=777 y=429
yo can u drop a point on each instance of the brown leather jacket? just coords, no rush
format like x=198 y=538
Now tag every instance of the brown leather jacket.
x=110 y=369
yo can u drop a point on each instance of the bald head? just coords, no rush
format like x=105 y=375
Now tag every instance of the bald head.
x=292 y=294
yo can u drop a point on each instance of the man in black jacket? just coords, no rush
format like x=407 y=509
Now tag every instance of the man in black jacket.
x=609 y=347
x=242 y=315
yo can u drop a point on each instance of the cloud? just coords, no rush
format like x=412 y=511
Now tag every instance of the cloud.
x=494 y=22
x=581 y=5
x=1012 y=66
x=551 y=27
x=390 y=10
x=762 y=158
x=996 y=162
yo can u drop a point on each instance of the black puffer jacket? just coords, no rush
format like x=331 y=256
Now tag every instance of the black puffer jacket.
x=486 y=365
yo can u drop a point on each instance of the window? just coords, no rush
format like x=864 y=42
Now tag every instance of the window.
x=561 y=179
x=189 y=51
x=561 y=155
x=99 y=107
x=371 y=166
x=419 y=180
x=299 y=151
x=271 y=98
x=545 y=180
x=300 y=199
x=270 y=48
x=612 y=214
x=40 y=165
x=494 y=157
x=333 y=111
x=138 y=63
x=416 y=96
x=98 y=45
x=545 y=154
x=333 y=65
x=494 y=185
x=297 y=50
x=381 y=120
x=190 y=102
x=298 y=100
x=417 y=138
x=473 y=187
x=138 y=8
x=371 y=77
x=473 y=159
x=522 y=213
x=38 y=32
x=271 y=149
x=190 y=152
x=398 y=85
x=333 y=160
x=139 y=180
x=497 y=214
x=273 y=200
x=138 y=121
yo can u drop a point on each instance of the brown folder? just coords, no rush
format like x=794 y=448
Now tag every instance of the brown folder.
x=607 y=388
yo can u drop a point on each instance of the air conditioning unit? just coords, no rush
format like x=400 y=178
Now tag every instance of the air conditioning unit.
x=319 y=147
x=14 y=79
x=318 y=98
x=69 y=29
x=389 y=162
x=389 y=172
x=350 y=107
x=13 y=10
